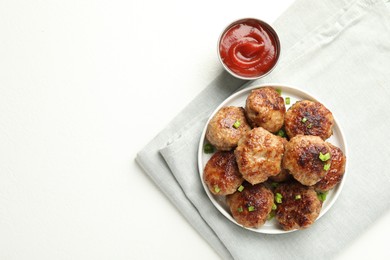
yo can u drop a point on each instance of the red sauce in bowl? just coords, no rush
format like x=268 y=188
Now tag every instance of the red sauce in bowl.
x=249 y=48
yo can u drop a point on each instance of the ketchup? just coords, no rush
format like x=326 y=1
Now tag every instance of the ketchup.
x=249 y=49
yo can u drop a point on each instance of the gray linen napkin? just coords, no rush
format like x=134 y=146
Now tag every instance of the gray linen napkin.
x=340 y=52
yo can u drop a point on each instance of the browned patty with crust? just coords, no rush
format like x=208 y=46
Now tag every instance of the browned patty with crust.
x=336 y=171
x=259 y=155
x=221 y=173
x=265 y=108
x=251 y=206
x=284 y=175
x=223 y=131
x=299 y=207
x=309 y=118
x=302 y=159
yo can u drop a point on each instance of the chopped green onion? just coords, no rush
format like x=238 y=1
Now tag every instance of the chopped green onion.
x=304 y=120
x=281 y=133
x=322 y=196
x=287 y=100
x=274 y=184
x=324 y=157
x=274 y=206
x=278 y=197
x=309 y=125
x=271 y=215
x=251 y=208
x=241 y=188
x=298 y=197
x=208 y=148
x=279 y=91
x=217 y=189
x=237 y=124
x=326 y=166
x=239 y=209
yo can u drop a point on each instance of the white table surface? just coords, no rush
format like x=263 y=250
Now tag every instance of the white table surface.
x=84 y=85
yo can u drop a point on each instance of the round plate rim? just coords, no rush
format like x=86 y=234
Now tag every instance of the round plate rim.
x=200 y=154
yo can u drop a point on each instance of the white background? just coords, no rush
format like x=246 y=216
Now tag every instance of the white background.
x=84 y=85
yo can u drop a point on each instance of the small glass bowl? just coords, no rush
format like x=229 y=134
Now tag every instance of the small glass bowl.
x=267 y=28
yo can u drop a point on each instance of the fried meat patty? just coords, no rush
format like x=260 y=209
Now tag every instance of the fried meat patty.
x=226 y=128
x=299 y=207
x=302 y=159
x=251 y=206
x=259 y=155
x=284 y=175
x=221 y=173
x=308 y=118
x=265 y=108
x=336 y=171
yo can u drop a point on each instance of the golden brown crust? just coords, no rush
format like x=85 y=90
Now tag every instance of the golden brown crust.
x=251 y=207
x=309 y=118
x=300 y=206
x=259 y=155
x=221 y=173
x=302 y=160
x=221 y=131
x=265 y=108
x=336 y=171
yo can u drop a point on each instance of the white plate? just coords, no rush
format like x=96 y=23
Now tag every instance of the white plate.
x=239 y=99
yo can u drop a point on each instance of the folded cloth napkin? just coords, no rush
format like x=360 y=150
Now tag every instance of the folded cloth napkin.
x=340 y=52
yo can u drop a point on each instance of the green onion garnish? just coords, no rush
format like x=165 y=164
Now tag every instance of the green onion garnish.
x=309 y=125
x=324 y=157
x=239 y=209
x=298 y=197
x=278 y=197
x=279 y=91
x=271 y=215
x=208 y=148
x=322 y=196
x=287 y=100
x=216 y=189
x=251 y=208
x=281 y=133
x=241 y=188
x=304 y=120
x=326 y=166
x=274 y=184
x=274 y=206
x=236 y=124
